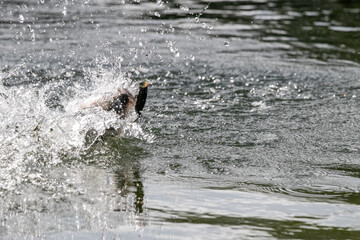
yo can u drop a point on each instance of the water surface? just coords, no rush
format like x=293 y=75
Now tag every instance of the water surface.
x=250 y=129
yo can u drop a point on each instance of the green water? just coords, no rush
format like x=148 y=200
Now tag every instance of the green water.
x=250 y=130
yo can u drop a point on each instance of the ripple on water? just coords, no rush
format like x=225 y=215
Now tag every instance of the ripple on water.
x=251 y=104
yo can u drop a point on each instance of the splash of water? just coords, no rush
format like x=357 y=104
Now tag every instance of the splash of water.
x=32 y=134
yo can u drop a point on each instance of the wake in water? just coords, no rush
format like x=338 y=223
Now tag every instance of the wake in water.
x=33 y=134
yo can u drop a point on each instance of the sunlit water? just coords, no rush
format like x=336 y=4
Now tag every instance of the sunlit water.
x=251 y=128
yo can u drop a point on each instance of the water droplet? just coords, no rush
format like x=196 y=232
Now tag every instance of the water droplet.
x=157 y=14
x=197 y=19
x=21 y=18
x=159 y=2
x=64 y=12
x=226 y=43
x=185 y=9
x=32 y=35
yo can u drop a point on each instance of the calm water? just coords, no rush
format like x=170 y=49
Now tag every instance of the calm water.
x=251 y=129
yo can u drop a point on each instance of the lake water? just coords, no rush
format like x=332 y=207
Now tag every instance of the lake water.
x=251 y=129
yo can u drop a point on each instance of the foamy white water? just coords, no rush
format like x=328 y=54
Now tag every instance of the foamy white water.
x=33 y=133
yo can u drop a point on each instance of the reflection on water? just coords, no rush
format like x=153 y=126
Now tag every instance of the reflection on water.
x=124 y=157
x=253 y=214
x=100 y=193
x=128 y=169
x=250 y=129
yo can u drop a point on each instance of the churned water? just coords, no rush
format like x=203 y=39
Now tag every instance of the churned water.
x=251 y=128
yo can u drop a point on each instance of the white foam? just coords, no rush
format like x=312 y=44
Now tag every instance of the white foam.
x=32 y=133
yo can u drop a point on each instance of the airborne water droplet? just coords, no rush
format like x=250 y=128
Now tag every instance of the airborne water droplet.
x=21 y=18
x=185 y=9
x=64 y=12
x=226 y=43
x=33 y=38
x=157 y=14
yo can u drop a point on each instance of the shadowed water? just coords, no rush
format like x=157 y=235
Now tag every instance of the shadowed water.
x=250 y=129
